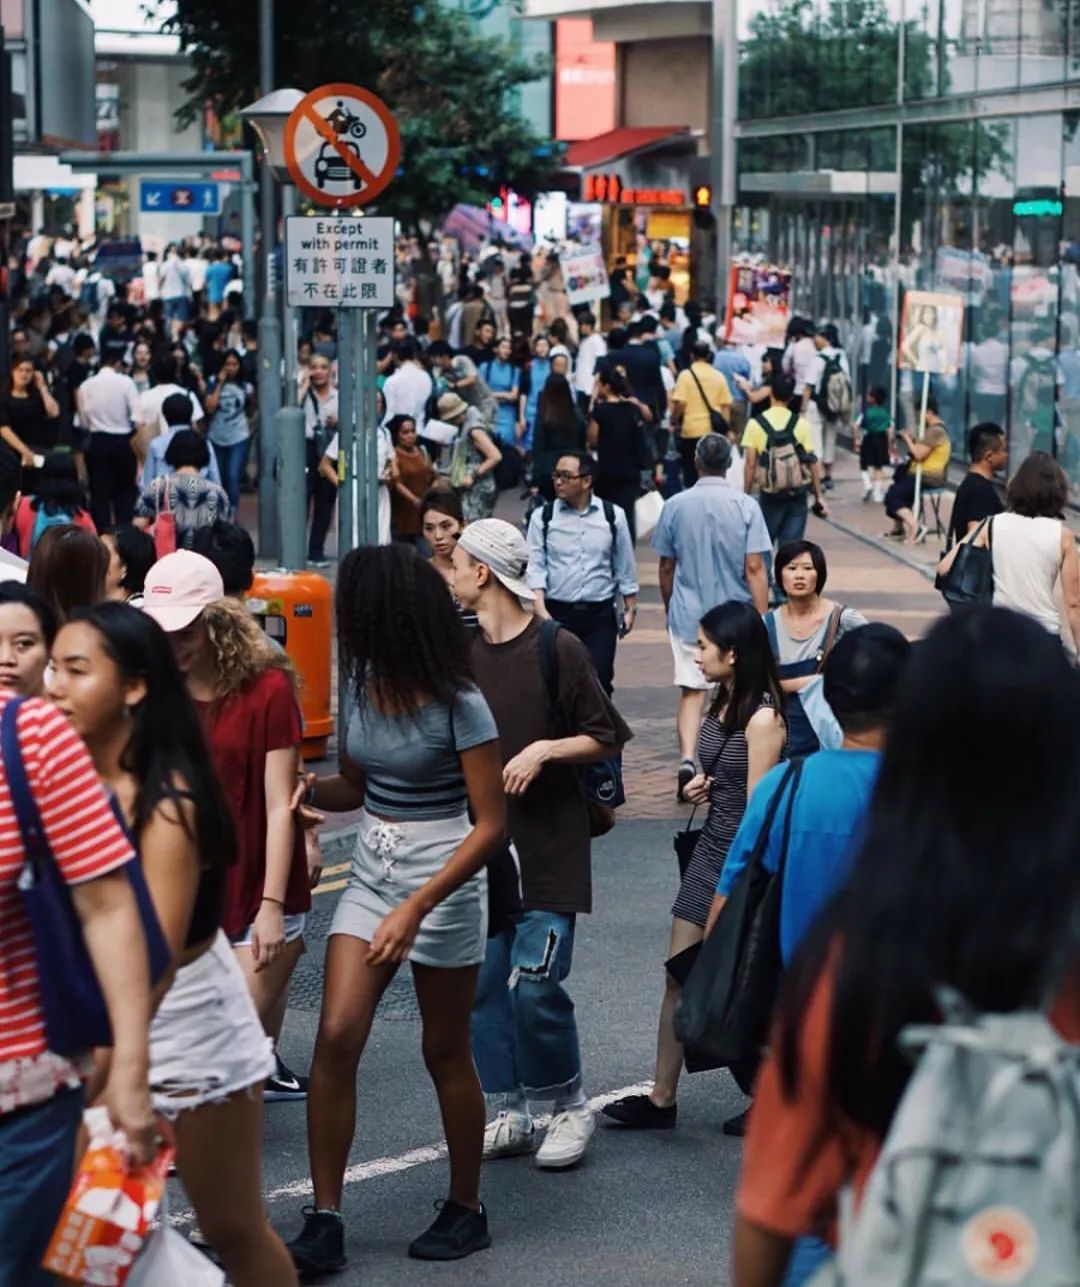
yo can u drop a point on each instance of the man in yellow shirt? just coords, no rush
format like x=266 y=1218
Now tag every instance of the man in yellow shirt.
x=698 y=390
x=784 y=508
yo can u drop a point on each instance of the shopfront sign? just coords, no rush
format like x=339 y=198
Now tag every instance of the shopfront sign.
x=610 y=188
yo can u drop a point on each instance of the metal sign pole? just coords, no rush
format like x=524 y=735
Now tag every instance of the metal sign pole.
x=371 y=428
x=346 y=429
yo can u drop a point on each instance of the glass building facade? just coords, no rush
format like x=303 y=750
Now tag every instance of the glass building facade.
x=888 y=145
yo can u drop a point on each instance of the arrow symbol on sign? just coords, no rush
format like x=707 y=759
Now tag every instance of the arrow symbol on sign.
x=153 y=198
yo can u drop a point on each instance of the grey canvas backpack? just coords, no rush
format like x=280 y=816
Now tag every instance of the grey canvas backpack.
x=979 y=1178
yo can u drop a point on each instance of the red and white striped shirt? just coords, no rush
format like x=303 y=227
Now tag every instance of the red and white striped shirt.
x=86 y=842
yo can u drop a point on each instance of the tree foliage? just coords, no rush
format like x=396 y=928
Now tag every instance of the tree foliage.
x=454 y=92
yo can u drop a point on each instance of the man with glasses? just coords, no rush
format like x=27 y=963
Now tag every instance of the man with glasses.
x=581 y=561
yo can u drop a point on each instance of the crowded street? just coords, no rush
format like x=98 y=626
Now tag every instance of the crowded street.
x=539 y=644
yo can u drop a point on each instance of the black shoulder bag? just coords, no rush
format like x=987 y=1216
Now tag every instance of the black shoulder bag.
x=727 y=1003
x=970 y=579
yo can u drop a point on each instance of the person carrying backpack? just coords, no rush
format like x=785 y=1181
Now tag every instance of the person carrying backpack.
x=59 y=501
x=779 y=459
x=832 y=394
x=919 y=1061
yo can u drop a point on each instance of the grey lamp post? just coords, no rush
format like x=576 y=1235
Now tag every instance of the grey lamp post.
x=268 y=117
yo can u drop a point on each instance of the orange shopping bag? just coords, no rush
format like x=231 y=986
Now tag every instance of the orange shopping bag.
x=109 y=1210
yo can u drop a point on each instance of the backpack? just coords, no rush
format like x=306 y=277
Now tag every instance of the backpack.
x=43 y=521
x=90 y=295
x=782 y=465
x=602 y=780
x=976 y=1182
x=833 y=397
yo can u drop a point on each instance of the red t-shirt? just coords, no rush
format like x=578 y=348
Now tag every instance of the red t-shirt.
x=26 y=517
x=86 y=842
x=242 y=729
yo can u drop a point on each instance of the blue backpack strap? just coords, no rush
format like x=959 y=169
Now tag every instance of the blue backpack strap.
x=27 y=814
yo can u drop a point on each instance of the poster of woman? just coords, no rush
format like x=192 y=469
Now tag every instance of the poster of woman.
x=931 y=332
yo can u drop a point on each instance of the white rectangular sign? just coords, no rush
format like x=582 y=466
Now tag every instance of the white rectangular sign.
x=585 y=275
x=339 y=262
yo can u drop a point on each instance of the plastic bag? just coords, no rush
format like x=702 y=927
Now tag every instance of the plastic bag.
x=110 y=1208
x=647 y=513
x=169 y=1260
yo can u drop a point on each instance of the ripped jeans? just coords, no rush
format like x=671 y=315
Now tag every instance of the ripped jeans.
x=523 y=1030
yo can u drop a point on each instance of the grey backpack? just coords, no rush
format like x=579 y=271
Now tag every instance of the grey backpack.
x=979 y=1178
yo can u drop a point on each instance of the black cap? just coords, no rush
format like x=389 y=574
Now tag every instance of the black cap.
x=862 y=672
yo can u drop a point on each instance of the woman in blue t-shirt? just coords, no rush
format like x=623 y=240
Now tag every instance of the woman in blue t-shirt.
x=228 y=404
x=533 y=379
x=501 y=377
x=420 y=751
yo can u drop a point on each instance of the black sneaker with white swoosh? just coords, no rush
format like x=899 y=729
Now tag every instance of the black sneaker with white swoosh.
x=284 y=1085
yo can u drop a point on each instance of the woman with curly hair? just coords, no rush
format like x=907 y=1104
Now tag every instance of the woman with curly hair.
x=420 y=749
x=245 y=692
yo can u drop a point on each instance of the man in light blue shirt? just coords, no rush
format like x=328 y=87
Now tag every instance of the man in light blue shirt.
x=581 y=559
x=734 y=366
x=176 y=410
x=712 y=541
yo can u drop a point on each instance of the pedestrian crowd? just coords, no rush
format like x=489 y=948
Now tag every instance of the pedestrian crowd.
x=854 y=890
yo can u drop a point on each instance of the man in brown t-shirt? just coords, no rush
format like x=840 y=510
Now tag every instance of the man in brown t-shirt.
x=524 y=1032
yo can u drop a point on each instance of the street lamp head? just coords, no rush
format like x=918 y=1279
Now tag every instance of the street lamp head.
x=267 y=117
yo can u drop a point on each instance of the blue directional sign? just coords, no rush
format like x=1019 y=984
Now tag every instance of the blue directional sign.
x=180 y=198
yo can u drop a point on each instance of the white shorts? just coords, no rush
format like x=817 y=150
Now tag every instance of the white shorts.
x=812 y=415
x=206 y=1040
x=294 y=927
x=687 y=672
x=828 y=441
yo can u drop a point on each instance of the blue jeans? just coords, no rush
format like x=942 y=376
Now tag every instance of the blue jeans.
x=523 y=1030
x=37 y=1158
x=807 y=1257
x=232 y=461
x=785 y=516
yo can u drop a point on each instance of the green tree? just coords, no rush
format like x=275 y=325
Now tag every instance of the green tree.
x=453 y=92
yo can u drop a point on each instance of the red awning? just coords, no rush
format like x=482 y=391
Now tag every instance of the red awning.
x=616 y=143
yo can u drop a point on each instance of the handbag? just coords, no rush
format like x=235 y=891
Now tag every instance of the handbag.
x=970 y=579
x=164 y=525
x=726 y=1006
x=74 y=1009
x=647 y=510
x=717 y=421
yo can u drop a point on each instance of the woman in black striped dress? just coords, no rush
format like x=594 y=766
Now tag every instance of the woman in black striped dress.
x=741 y=739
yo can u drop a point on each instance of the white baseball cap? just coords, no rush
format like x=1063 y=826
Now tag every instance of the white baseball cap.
x=501 y=547
x=178 y=587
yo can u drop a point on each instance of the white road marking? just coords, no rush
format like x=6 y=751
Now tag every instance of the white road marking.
x=381 y=1166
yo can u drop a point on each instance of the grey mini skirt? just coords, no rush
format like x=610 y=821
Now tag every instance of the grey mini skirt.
x=392 y=861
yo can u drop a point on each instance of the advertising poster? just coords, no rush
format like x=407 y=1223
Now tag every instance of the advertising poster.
x=758 y=305
x=931 y=332
x=585 y=275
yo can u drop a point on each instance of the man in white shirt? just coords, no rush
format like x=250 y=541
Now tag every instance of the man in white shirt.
x=151 y=276
x=802 y=364
x=175 y=290
x=108 y=406
x=827 y=343
x=61 y=274
x=151 y=418
x=409 y=388
x=591 y=348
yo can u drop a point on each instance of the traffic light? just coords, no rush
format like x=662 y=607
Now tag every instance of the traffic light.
x=703 y=196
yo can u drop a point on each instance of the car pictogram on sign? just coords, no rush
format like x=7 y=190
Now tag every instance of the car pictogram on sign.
x=331 y=166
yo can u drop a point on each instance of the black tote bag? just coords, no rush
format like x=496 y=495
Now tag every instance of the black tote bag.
x=726 y=1005
x=970 y=579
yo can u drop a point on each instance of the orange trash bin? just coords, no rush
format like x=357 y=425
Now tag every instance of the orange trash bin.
x=297 y=610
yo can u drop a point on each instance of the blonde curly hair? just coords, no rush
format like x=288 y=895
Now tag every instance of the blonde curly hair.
x=241 y=648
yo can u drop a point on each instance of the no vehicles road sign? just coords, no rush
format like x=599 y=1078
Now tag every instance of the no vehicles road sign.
x=342 y=145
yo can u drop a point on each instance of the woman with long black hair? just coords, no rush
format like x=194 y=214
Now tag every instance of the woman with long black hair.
x=618 y=436
x=558 y=430
x=742 y=738
x=965 y=878
x=115 y=679
x=420 y=749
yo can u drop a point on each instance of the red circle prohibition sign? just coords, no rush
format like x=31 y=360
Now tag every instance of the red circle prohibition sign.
x=369 y=182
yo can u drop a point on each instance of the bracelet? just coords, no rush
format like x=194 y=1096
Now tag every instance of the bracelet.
x=276 y=901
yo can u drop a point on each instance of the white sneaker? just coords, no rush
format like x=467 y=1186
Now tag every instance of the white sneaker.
x=567 y=1139
x=509 y=1135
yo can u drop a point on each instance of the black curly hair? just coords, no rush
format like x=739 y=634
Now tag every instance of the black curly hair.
x=399 y=634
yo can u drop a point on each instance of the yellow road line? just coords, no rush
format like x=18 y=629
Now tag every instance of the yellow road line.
x=329 y=887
